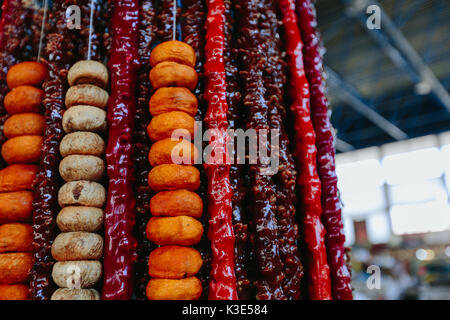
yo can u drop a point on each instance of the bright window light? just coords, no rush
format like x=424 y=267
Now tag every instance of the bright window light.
x=413 y=166
x=363 y=200
x=420 y=218
x=446 y=159
x=360 y=174
x=447 y=182
x=428 y=190
x=378 y=229
x=349 y=231
x=418 y=196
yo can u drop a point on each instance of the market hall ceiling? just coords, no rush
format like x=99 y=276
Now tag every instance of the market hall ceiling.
x=391 y=83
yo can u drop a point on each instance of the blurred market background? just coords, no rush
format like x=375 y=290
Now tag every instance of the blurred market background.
x=389 y=92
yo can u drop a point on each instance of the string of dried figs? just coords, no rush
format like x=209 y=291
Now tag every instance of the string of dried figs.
x=78 y=248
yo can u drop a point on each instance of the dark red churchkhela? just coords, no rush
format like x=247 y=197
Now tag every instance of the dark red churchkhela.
x=222 y=285
x=242 y=256
x=285 y=178
x=332 y=219
x=17 y=40
x=262 y=196
x=120 y=243
x=319 y=284
x=45 y=204
x=147 y=37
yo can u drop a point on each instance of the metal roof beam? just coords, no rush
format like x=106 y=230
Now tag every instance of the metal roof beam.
x=343 y=146
x=398 y=49
x=351 y=96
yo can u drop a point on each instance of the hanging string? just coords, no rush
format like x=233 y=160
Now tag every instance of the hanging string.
x=174 y=31
x=41 y=39
x=91 y=18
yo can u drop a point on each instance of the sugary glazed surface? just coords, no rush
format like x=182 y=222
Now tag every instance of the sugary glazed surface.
x=251 y=246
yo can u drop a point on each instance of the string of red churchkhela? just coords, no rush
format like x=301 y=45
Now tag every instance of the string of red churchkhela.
x=332 y=218
x=269 y=269
x=275 y=82
x=147 y=38
x=318 y=271
x=242 y=257
x=120 y=243
x=222 y=283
